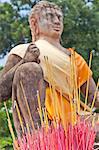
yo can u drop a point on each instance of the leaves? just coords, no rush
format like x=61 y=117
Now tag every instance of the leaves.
x=5 y=136
x=14 y=28
x=6 y=142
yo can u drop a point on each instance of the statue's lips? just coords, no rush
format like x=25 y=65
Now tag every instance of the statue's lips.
x=56 y=28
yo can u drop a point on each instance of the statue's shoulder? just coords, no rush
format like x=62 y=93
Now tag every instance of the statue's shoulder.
x=19 y=50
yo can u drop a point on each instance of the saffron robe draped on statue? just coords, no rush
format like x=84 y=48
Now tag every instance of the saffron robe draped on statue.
x=57 y=66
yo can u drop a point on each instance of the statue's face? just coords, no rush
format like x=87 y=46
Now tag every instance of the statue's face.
x=50 y=22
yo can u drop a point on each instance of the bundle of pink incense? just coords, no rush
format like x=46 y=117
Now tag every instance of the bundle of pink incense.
x=78 y=137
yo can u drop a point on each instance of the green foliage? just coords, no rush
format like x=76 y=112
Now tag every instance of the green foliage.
x=14 y=28
x=6 y=143
x=5 y=136
x=1 y=68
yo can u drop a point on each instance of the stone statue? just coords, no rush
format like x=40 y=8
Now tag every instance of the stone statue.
x=25 y=66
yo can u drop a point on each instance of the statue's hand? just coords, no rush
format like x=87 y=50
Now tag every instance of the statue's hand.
x=32 y=54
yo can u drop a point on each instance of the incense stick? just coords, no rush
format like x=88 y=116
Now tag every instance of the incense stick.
x=78 y=98
x=50 y=81
x=70 y=91
x=93 y=102
x=19 y=116
x=28 y=129
x=11 y=129
x=87 y=87
x=93 y=121
x=45 y=118
x=62 y=109
x=27 y=106
x=75 y=83
x=40 y=109
x=74 y=103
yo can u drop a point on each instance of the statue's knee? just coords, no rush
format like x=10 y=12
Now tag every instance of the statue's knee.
x=32 y=66
x=29 y=69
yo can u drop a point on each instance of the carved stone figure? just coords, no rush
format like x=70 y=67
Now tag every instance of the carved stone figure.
x=23 y=68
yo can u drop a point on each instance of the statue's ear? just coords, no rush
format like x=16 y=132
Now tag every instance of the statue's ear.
x=32 y=23
x=34 y=28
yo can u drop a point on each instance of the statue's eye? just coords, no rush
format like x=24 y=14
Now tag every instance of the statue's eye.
x=60 y=17
x=50 y=15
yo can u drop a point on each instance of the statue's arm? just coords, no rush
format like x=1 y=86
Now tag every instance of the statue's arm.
x=91 y=92
x=11 y=62
x=7 y=75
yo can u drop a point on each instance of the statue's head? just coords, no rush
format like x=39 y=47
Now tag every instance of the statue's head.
x=46 y=19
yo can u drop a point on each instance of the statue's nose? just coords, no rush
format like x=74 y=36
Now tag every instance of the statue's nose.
x=56 y=19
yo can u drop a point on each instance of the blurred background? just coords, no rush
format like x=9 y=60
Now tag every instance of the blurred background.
x=81 y=31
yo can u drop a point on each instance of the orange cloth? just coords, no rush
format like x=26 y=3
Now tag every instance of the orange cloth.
x=63 y=107
x=82 y=75
x=83 y=71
